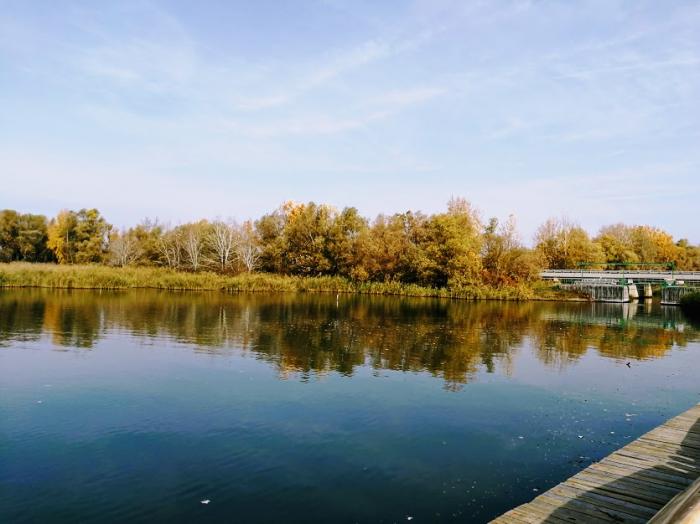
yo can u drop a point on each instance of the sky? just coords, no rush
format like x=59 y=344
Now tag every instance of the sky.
x=181 y=110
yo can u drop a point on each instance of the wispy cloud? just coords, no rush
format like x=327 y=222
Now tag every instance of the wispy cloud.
x=332 y=67
x=508 y=103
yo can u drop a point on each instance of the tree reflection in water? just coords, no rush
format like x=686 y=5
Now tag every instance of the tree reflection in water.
x=307 y=335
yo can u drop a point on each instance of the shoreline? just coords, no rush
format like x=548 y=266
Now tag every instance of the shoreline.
x=17 y=275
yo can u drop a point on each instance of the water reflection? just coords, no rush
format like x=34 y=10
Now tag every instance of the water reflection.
x=306 y=335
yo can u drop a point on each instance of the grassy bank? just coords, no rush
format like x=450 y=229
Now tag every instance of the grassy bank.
x=690 y=304
x=21 y=274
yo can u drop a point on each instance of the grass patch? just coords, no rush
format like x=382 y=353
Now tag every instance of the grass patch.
x=23 y=274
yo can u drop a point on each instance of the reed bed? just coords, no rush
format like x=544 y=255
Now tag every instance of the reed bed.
x=23 y=274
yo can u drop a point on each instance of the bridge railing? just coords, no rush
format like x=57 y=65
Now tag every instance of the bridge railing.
x=637 y=275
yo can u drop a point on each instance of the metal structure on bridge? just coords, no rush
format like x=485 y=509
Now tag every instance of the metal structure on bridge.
x=665 y=275
x=623 y=285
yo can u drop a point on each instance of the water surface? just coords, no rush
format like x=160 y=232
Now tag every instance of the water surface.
x=136 y=406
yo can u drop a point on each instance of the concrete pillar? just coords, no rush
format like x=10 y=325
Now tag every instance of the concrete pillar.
x=634 y=292
x=647 y=291
x=671 y=295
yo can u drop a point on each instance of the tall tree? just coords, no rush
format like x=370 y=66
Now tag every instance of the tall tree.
x=248 y=250
x=563 y=244
x=9 y=228
x=193 y=243
x=79 y=237
x=344 y=243
x=270 y=232
x=124 y=248
x=451 y=247
x=221 y=239
x=23 y=237
x=306 y=233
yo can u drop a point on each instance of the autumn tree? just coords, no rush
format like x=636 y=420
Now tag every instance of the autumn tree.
x=306 y=232
x=392 y=248
x=148 y=234
x=248 y=250
x=639 y=245
x=616 y=243
x=450 y=247
x=505 y=260
x=563 y=244
x=79 y=237
x=269 y=230
x=123 y=248
x=688 y=256
x=344 y=242
x=171 y=247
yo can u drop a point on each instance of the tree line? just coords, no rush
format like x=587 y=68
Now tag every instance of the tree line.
x=453 y=248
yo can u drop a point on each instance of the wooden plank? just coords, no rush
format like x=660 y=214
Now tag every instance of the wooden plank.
x=631 y=484
x=597 y=511
x=621 y=491
x=651 y=458
x=674 y=451
x=569 y=513
x=535 y=514
x=603 y=501
x=658 y=471
x=641 y=474
x=633 y=488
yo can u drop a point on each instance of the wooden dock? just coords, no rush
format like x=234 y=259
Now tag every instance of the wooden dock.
x=630 y=485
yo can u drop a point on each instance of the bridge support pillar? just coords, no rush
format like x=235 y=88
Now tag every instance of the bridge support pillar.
x=633 y=291
x=647 y=293
x=671 y=295
x=606 y=292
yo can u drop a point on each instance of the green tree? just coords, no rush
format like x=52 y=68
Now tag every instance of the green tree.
x=9 y=226
x=450 y=247
x=306 y=233
x=32 y=238
x=391 y=251
x=147 y=235
x=269 y=231
x=23 y=237
x=344 y=246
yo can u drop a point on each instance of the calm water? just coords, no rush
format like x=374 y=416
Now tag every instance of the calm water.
x=136 y=406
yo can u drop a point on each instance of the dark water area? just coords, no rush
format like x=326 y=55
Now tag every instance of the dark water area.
x=136 y=406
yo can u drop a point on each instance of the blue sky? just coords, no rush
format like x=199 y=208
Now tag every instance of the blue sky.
x=181 y=110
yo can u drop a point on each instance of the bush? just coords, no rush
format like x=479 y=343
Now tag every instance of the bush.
x=691 y=303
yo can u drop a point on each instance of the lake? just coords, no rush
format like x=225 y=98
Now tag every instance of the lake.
x=136 y=406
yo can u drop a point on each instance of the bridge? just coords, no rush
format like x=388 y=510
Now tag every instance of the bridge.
x=637 y=276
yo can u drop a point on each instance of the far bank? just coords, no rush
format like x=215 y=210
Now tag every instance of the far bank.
x=22 y=274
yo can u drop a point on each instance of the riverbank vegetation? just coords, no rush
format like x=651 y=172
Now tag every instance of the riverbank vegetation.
x=690 y=304
x=23 y=274
x=316 y=247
